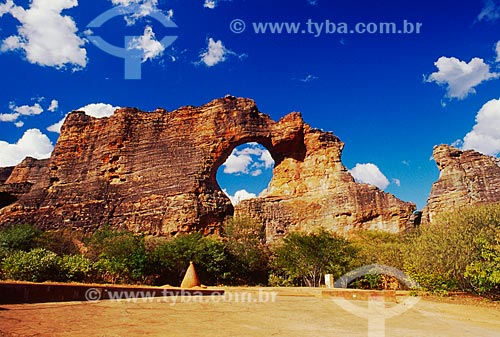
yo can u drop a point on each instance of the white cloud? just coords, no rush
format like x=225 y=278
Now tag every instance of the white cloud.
x=239 y=196
x=237 y=163
x=54 y=105
x=457 y=143
x=215 y=53
x=33 y=144
x=9 y=117
x=142 y=8
x=18 y=111
x=497 y=49
x=209 y=4
x=369 y=174
x=6 y=7
x=125 y=3
x=256 y=173
x=27 y=110
x=308 y=78
x=97 y=110
x=170 y=13
x=396 y=181
x=485 y=135
x=490 y=11
x=265 y=157
x=47 y=37
x=150 y=47
x=460 y=77
x=19 y=124
x=248 y=160
x=57 y=126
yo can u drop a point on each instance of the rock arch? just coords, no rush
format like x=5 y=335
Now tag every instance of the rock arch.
x=155 y=172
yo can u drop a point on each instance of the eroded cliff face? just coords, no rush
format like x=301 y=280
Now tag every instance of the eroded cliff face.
x=5 y=173
x=466 y=178
x=155 y=172
x=17 y=182
x=316 y=190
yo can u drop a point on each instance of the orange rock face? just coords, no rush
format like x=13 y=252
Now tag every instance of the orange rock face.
x=316 y=190
x=155 y=173
x=466 y=178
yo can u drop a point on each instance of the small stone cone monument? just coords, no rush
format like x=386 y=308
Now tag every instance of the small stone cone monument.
x=190 y=279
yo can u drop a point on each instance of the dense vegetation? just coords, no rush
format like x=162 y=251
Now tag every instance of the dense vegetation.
x=459 y=251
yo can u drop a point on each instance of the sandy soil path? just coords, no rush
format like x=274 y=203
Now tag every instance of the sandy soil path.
x=265 y=312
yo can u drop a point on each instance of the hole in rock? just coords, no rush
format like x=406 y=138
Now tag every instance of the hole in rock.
x=246 y=172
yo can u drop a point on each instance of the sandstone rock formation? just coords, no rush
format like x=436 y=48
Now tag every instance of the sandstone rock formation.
x=6 y=196
x=466 y=178
x=21 y=179
x=315 y=189
x=5 y=173
x=155 y=172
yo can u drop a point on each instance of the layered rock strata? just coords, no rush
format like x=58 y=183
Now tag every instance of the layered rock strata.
x=315 y=190
x=155 y=173
x=466 y=178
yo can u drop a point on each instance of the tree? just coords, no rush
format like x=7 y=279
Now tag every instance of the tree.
x=382 y=248
x=170 y=258
x=19 y=237
x=249 y=256
x=306 y=258
x=37 y=265
x=120 y=256
x=439 y=254
x=484 y=272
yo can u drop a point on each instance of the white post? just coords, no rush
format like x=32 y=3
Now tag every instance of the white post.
x=329 y=280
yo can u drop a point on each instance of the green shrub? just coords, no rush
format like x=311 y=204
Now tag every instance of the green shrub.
x=121 y=256
x=280 y=279
x=4 y=252
x=129 y=251
x=305 y=258
x=19 y=237
x=370 y=281
x=484 y=273
x=61 y=242
x=377 y=247
x=37 y=265
x=212 y=260
x=98 y=242
x=111 y=271
x=438 y=255
x=249 y=256
x=170 y=259
x=76 y=268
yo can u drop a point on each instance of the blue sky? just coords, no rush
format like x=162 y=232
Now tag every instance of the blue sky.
x=389 y=97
